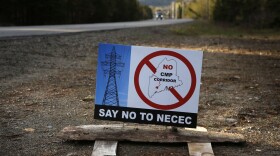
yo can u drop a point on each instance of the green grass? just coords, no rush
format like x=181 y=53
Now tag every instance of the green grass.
x=208 y=29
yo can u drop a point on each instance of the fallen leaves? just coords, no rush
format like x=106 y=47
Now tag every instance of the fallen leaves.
x=29 y=130
x=88 y=98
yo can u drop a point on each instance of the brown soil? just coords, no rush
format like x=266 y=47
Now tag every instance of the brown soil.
x=44 y=80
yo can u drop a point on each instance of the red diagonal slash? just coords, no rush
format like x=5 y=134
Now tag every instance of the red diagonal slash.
x=176 y=94
x=151 y=66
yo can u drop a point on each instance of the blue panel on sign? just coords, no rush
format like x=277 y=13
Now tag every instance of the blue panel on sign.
x=112 y=75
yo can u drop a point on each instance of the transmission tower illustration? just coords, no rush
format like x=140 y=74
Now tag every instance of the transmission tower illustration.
x=111 y=67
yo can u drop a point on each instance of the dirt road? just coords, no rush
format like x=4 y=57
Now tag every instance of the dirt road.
x=45 y=79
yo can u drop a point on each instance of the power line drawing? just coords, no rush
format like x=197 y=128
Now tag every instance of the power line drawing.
x=112 y=67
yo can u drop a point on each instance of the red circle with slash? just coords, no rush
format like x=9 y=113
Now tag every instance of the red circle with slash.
x=181 y=100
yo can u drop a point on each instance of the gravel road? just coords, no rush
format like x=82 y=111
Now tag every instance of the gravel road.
x=45 y=79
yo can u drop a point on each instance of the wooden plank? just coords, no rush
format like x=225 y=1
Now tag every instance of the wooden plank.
x=104 y=148
x=144 y=133
x=200 y=149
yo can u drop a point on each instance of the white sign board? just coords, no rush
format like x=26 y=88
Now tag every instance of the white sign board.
x=148 y=85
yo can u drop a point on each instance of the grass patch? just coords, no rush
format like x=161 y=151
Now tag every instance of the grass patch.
x=209 y=29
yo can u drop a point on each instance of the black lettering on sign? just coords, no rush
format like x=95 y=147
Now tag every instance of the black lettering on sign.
x=166 y=74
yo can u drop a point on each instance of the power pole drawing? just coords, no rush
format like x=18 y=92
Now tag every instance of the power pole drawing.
x=112 y=65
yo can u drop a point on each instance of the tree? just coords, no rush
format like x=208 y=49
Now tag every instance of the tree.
x=254 y=13
x=40 y=12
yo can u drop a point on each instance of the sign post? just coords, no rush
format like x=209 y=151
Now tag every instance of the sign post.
x=148 y=85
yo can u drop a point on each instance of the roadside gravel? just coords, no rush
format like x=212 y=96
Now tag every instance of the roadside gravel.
x=44 y=80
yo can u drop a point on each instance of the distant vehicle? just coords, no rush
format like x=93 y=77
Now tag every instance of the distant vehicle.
x=159 y=16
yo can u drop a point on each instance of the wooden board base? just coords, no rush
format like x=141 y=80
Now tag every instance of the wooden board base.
x=144 y=133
